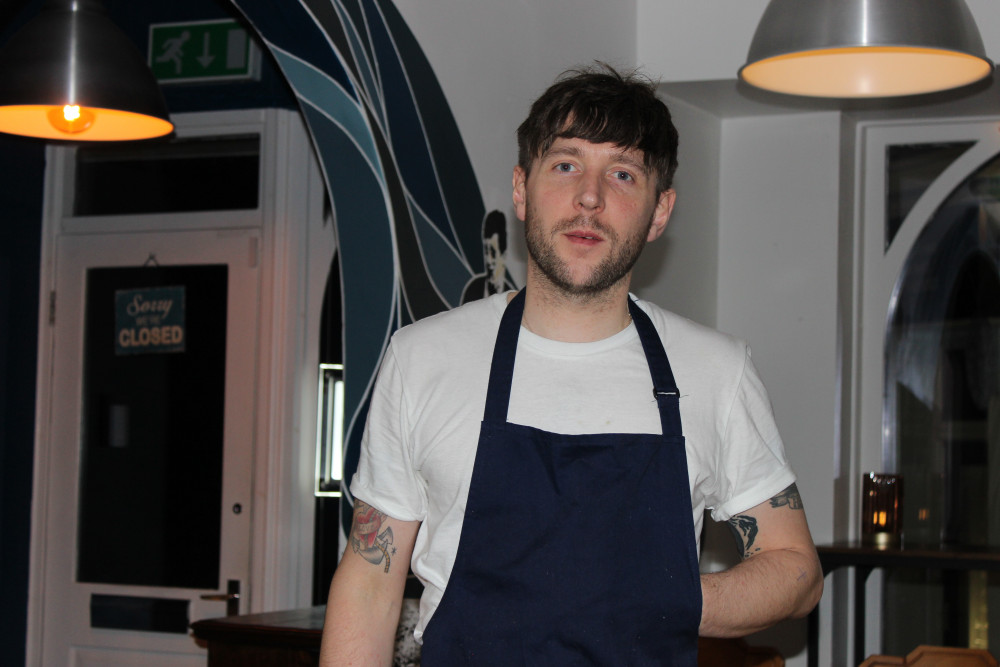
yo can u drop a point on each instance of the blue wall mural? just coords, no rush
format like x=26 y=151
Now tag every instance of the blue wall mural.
x=408 y=211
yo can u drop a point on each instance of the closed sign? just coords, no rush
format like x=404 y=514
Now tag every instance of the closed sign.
x=149 y=320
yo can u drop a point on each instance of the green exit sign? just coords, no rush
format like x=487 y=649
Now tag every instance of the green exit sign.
x=202 y=51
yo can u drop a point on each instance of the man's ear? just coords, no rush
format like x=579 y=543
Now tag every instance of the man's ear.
x=519 y=195
x=661 y=214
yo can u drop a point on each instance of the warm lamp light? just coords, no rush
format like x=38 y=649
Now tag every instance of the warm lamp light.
x=71 y=74
x=71 y=118
x=865 y=48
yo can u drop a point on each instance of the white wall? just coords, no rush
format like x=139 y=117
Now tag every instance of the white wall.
x=696 y=39
x=777 y=280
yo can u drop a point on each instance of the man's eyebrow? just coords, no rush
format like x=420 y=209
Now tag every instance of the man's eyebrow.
x=628 y=158
x=562 y=151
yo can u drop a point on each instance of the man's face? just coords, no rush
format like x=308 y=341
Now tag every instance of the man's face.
x=495 y=268
x=589 y=209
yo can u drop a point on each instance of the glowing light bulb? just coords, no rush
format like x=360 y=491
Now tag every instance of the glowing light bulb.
x=71 y=118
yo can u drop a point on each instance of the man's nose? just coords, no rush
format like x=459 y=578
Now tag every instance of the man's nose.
x=590 y=195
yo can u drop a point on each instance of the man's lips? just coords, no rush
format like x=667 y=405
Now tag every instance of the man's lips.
x=583 y=236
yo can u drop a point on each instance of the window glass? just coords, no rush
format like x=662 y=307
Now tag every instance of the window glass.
x=153 y=403
x=910 y=169
x=943 y=415
x=216 y=174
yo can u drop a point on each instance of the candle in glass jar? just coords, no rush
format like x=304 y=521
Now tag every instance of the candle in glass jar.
x=881 y=509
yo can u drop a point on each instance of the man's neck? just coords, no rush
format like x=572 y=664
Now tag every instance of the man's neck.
x=553 y=314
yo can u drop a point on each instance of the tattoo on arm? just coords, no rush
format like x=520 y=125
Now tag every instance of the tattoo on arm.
x=368 y=539
x=789 y=498
x=745 y=531
x=745 y=527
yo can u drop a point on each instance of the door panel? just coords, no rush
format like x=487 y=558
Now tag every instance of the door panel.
x=105 y=658
x=145 y=410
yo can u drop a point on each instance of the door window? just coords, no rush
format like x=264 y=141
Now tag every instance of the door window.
x=199 y=174
x=152 y=441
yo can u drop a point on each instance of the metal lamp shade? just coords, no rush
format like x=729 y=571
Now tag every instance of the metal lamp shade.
x=72 y=55
x=865 y=48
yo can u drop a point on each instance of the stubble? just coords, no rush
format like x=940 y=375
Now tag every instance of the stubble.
x=608 y=273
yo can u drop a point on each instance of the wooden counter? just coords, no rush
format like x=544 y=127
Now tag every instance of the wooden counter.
x=273 y=639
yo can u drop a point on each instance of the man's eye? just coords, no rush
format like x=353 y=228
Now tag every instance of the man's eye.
x=623 y=176
x=565 y=167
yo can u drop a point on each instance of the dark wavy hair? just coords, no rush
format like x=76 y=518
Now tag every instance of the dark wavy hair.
x=601 y=105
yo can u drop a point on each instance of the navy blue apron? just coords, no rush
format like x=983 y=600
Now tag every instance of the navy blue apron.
x=575 y=549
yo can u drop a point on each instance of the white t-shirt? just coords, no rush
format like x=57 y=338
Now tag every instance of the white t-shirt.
x=419 y=446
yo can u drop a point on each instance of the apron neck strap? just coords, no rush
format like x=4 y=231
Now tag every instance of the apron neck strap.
x=502 y=370
x=664 y=386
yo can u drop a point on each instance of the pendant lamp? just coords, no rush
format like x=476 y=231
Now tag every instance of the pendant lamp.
x=865 y=48
x=71 y=74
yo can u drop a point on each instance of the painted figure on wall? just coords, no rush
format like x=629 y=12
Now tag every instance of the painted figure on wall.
x=494 y=278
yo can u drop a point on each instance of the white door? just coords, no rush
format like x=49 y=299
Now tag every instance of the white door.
x=151 y=431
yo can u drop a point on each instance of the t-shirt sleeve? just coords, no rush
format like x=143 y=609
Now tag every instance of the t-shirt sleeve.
x=386 y=478
x=752 y=464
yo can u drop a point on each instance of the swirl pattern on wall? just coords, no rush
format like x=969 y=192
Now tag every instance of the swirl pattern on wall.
x=407 y=208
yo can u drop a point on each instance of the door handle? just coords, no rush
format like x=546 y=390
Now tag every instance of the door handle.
x=231 y=597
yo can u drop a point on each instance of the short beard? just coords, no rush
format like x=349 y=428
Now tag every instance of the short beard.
x=611 y=270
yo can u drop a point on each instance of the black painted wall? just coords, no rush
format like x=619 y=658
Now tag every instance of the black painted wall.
x=22 y=164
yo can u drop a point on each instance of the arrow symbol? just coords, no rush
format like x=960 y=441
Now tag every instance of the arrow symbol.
x=205 y=59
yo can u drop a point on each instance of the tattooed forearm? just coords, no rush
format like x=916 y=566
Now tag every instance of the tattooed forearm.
x=789 y=498
x=368 y=540
x=745 y=531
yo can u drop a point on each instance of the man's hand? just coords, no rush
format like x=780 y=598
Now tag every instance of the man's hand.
x=780 y=575
x=367 y=590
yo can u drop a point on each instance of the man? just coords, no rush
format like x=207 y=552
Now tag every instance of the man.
x=568 y=535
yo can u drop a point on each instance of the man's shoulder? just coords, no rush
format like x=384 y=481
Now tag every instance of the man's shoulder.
x=464 y=325
x=676 y=329
x=706 y=362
